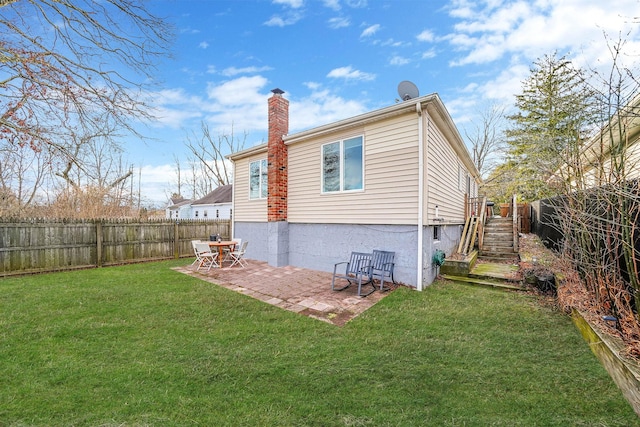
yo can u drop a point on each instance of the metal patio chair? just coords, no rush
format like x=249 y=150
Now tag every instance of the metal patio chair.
x=356 y=271
x=382 y=266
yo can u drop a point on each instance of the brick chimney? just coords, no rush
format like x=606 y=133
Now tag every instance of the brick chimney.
x=277 y=157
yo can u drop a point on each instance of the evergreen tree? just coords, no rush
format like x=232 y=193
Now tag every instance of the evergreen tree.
x=555 y=111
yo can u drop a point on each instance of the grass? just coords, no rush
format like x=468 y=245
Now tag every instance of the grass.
x=142 y=345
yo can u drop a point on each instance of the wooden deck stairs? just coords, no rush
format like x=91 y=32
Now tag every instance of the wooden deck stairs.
x=488 y=250
x=498 y=240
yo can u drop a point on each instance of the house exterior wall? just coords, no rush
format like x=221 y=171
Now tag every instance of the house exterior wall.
x=446 y=178
x=321 y=229
x=321 y=246
x=184 y=211
x=449 y=237
x=390 y=177
x=247 y=209
x=256 y=233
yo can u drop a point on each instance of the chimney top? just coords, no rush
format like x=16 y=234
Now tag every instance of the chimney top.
x=277 y=91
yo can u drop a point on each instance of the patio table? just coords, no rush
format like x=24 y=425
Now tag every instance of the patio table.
x=231 y=244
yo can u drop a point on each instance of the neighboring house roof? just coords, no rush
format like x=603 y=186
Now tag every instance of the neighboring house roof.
x=178 y=202
x=222 y=194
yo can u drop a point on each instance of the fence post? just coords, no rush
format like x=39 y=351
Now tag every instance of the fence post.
x=99 y=238
x=176 y=240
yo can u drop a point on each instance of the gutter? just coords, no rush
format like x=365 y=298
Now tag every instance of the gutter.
x=362 y=119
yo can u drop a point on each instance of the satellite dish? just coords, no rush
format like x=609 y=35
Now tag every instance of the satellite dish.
x=407 y=90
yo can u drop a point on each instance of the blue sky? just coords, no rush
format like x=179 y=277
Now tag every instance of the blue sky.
x=338 y=58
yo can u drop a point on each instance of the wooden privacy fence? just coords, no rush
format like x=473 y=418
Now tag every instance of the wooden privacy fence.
x=44 y=245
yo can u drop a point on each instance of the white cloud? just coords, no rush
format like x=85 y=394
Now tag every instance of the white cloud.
x=173 y=107
x=370 y=30
x=506 y=37
x=240 y=103
x=356 y=4
x=339 y=22
x=156 y=181
x=321 y=107
x=296 y=4
x=332 y=4
x=489 y=31
x=232 y=71
x=279 y=21
x=312 y=85
x=431 y=53
x=348 y=73
x=398 y=60
x=203 y=45
x=426 y=36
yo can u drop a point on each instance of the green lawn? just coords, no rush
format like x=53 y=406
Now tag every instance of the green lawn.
x=142 y=345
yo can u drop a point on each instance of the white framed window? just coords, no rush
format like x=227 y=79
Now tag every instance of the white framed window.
x=205 y=213
x=461 y=178
x=196 y=214
x=343 y=165
x=258 y=179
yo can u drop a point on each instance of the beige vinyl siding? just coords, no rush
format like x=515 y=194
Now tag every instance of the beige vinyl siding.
x=390 y=177
x=631 y=162
x=442 y=178
x=601 y=176
x=246 y=209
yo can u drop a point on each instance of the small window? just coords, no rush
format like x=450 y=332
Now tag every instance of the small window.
x=436 y=233
x=258 y=179
x=217 y=213
x=196 y=214
x=342 y=165
x=205 y=214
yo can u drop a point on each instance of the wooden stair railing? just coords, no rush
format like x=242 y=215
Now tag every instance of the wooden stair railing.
x=474 y=225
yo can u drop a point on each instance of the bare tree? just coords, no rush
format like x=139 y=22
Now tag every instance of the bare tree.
x=599 y=207
x=61 y=61
x=179 y=183
x=487 y=141
x=24 y=174
x=210 y=152
x=95 y=180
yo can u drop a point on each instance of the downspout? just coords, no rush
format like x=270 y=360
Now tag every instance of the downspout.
x=233 y=202
x=421 y=198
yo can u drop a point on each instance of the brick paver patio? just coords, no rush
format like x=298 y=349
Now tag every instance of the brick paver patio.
x=300 y=290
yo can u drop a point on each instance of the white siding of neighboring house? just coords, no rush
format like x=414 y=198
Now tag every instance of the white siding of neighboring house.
x=223 y=211
x=245 y=209
x=390 y=177
x=184 y=212
x=443 y=179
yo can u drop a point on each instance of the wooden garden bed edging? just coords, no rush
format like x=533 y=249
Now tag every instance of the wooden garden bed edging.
x=608 y=349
